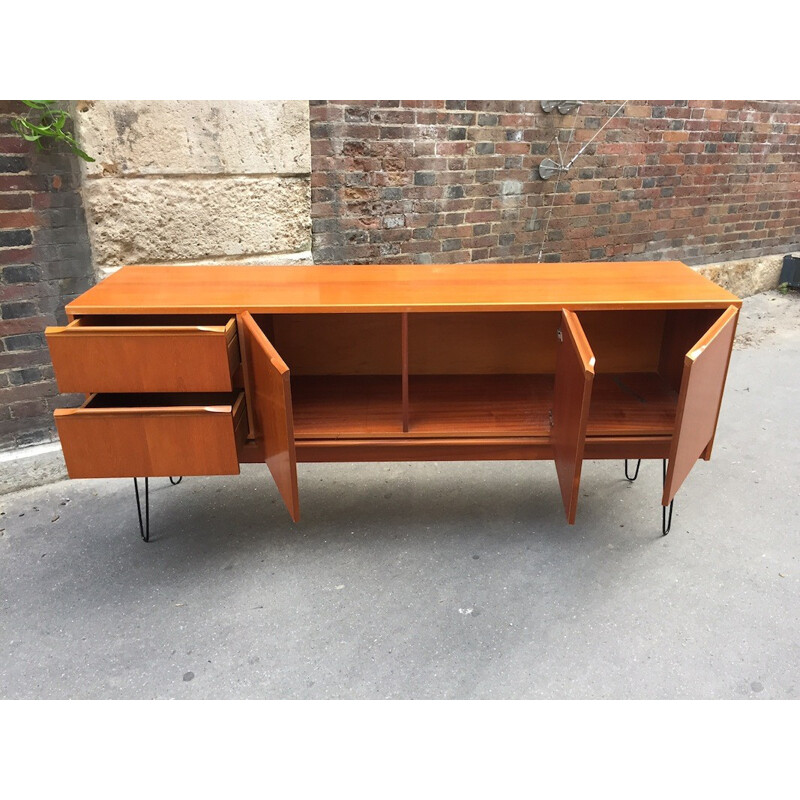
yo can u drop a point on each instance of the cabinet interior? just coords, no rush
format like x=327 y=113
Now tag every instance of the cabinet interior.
x=160 y=399
x=147 y=320
x=478 y=374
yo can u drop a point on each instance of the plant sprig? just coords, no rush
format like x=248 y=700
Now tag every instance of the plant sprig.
x=50 y=126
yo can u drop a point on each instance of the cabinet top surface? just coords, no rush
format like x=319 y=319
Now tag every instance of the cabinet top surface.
x=423 y=287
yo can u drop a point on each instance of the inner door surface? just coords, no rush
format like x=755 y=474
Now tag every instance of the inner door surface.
x=571 y=398
x=704 y=372
x=271 y=399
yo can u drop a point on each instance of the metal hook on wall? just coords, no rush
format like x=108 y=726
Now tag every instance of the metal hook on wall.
x=563 y=106
x=548 y=168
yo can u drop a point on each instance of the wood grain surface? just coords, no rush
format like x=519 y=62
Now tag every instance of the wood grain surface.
x=272 y=412
x=571 y=399
x=417 y=287
x=458 y=406
x=470 y=449
x=705 y=370
x=347 y=406
x=338 y=344
x=393 y=362
x=154 y=358
x=127 y=436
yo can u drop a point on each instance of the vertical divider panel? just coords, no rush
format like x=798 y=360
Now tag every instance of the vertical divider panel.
x=247 y=376
x=404 y=368
x=571 y=397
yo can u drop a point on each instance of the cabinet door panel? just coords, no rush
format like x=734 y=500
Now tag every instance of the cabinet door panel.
x=571 y=398
x=704 y=372
x=272 y=411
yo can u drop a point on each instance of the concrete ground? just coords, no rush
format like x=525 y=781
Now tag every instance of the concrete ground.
x=439 y=580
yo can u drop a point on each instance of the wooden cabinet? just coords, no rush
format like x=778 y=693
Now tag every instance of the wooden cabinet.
x=197 y=369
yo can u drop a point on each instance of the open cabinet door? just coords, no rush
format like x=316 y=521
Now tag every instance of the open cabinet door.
x=272 y=411
x=704 y=371
x=571 y=397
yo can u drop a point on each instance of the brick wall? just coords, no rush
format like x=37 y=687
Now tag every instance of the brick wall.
x=456 y=181
x=44 y=263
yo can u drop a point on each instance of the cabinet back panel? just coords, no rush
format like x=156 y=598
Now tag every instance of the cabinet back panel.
x=624 y=341
x=338 y=344
x=682 y=330
x=497 y=342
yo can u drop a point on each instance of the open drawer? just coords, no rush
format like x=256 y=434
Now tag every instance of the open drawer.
x=114 y=355
x=151 y=435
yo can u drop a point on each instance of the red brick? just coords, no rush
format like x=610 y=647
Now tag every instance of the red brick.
x=512 y=148
x=453 y=148
x=23 y=183
x=13 y=201
x=15 y=255
x=18 y=219
x=9 y=327
x=14 y=145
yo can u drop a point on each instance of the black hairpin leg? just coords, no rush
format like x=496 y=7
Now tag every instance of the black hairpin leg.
x=144 y=529
x=144 y=526
x=666 y=523
x=635 y=474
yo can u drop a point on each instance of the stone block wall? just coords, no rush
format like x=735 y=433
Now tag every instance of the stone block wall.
x=453 y=181
x=187 y=182
x=173 y=182
x=44 y=263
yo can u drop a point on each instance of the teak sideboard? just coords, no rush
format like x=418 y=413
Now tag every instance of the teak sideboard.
x=195 y=370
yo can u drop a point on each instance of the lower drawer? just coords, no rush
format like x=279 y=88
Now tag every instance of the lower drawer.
x=152 y=435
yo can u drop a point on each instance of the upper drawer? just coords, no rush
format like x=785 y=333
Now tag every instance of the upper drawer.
x=89 y=357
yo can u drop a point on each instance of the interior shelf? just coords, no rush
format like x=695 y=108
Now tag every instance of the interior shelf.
x=347 y=406
x=631 y=404
x=357 y=406
x=477 y=405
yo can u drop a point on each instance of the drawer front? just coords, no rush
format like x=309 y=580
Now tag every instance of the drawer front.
x=131 y=358
x=102 y=441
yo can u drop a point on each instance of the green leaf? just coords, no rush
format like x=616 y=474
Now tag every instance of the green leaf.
x=43 y=130
x=19 y=126
x=51 y=125
x=58 y=123
x=79 y=152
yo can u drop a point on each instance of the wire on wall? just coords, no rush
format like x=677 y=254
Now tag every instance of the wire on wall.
x=548 y=168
